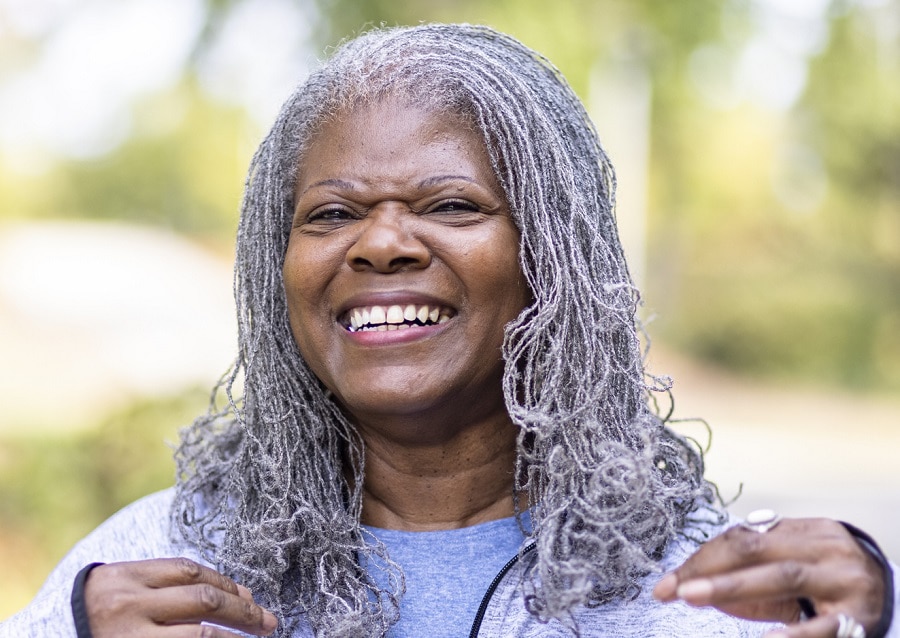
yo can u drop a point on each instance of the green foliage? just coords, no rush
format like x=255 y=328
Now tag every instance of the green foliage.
x=854 y=98
x=741 y=277
x=76 y=481
x=575 y=35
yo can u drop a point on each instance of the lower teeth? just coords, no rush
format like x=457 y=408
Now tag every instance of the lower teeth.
x=383 y=327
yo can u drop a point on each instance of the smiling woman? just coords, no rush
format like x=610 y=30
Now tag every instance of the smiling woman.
x=445 y=427
x=398 y=212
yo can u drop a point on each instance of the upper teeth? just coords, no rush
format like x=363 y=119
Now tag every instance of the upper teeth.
x=396 y=317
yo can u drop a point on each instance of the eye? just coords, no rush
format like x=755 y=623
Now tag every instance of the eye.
x=454 y=206
x=329 y=215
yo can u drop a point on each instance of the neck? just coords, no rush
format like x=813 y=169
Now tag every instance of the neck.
x=456 y=482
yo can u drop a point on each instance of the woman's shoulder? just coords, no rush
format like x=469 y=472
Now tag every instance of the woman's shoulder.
x=703 y=524
x=139 y=531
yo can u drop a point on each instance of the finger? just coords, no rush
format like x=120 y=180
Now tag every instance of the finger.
x=730 y=550
x=666 y=589
x=765 y=604
x=787 y=579
x=818 y=627
x=771 y=592
x=833 y=586
x=702 y=592
x=206 y=603
x=244 y=593
x=172 y=572
x=803 y=540
x=198 y=631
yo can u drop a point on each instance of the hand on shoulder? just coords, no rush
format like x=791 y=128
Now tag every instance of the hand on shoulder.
x=780 y=569
x=169 y=598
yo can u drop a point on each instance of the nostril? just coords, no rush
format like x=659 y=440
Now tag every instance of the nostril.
x=390 y=265
x=401 y=262
x=360 y=262
x=410 y=253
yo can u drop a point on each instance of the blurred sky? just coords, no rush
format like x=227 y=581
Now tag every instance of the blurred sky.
x=71 y=94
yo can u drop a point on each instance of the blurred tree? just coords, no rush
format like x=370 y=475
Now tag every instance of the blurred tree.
x=852 y=116
x=183 y=168
x=777 y=248
x=575 y=35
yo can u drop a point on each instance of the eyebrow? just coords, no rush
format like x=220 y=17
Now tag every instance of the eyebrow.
x=437 y=179
x=339 y=183
x=425 y=183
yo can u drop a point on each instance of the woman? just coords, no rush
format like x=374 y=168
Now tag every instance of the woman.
x=442 y=384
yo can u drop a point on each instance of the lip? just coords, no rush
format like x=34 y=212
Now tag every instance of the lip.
x=391 y=298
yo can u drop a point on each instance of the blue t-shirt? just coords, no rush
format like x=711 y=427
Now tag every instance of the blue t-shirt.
x=447 y=574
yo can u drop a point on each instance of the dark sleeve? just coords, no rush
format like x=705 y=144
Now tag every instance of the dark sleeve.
x=887 y=609
x=79 y=611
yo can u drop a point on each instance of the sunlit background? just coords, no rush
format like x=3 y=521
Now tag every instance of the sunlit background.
x=758 y=149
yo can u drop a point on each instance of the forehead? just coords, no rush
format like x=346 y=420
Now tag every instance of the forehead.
x=392 y=135
x=392 y=113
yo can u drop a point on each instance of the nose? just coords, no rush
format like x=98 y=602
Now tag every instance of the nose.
x=386 y=243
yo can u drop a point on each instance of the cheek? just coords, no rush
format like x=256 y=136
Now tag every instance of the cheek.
x=305 y=326
x=294 y=289
x=510 y=285
x=309 y=267
x=301 y=290
x=310 y=271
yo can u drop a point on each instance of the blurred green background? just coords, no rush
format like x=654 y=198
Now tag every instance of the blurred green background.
x=758 y=146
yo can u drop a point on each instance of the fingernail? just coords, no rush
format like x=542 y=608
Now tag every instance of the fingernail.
x=696 y=592
x=665 y=588
x=270 y=622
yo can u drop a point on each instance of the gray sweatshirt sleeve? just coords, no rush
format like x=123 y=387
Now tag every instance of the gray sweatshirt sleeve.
x=139 y=531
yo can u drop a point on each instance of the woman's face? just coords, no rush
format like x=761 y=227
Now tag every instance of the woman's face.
x=402 y=266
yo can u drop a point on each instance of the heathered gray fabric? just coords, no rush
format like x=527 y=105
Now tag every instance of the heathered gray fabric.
x=446 y=573
x=141 y=531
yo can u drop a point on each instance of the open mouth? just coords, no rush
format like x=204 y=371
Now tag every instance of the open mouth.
x=383 y=318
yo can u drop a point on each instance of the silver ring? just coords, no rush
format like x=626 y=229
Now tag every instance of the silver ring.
x=849 y=627
x=761 y=521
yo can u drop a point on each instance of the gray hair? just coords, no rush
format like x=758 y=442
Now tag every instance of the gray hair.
x=269 y=488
